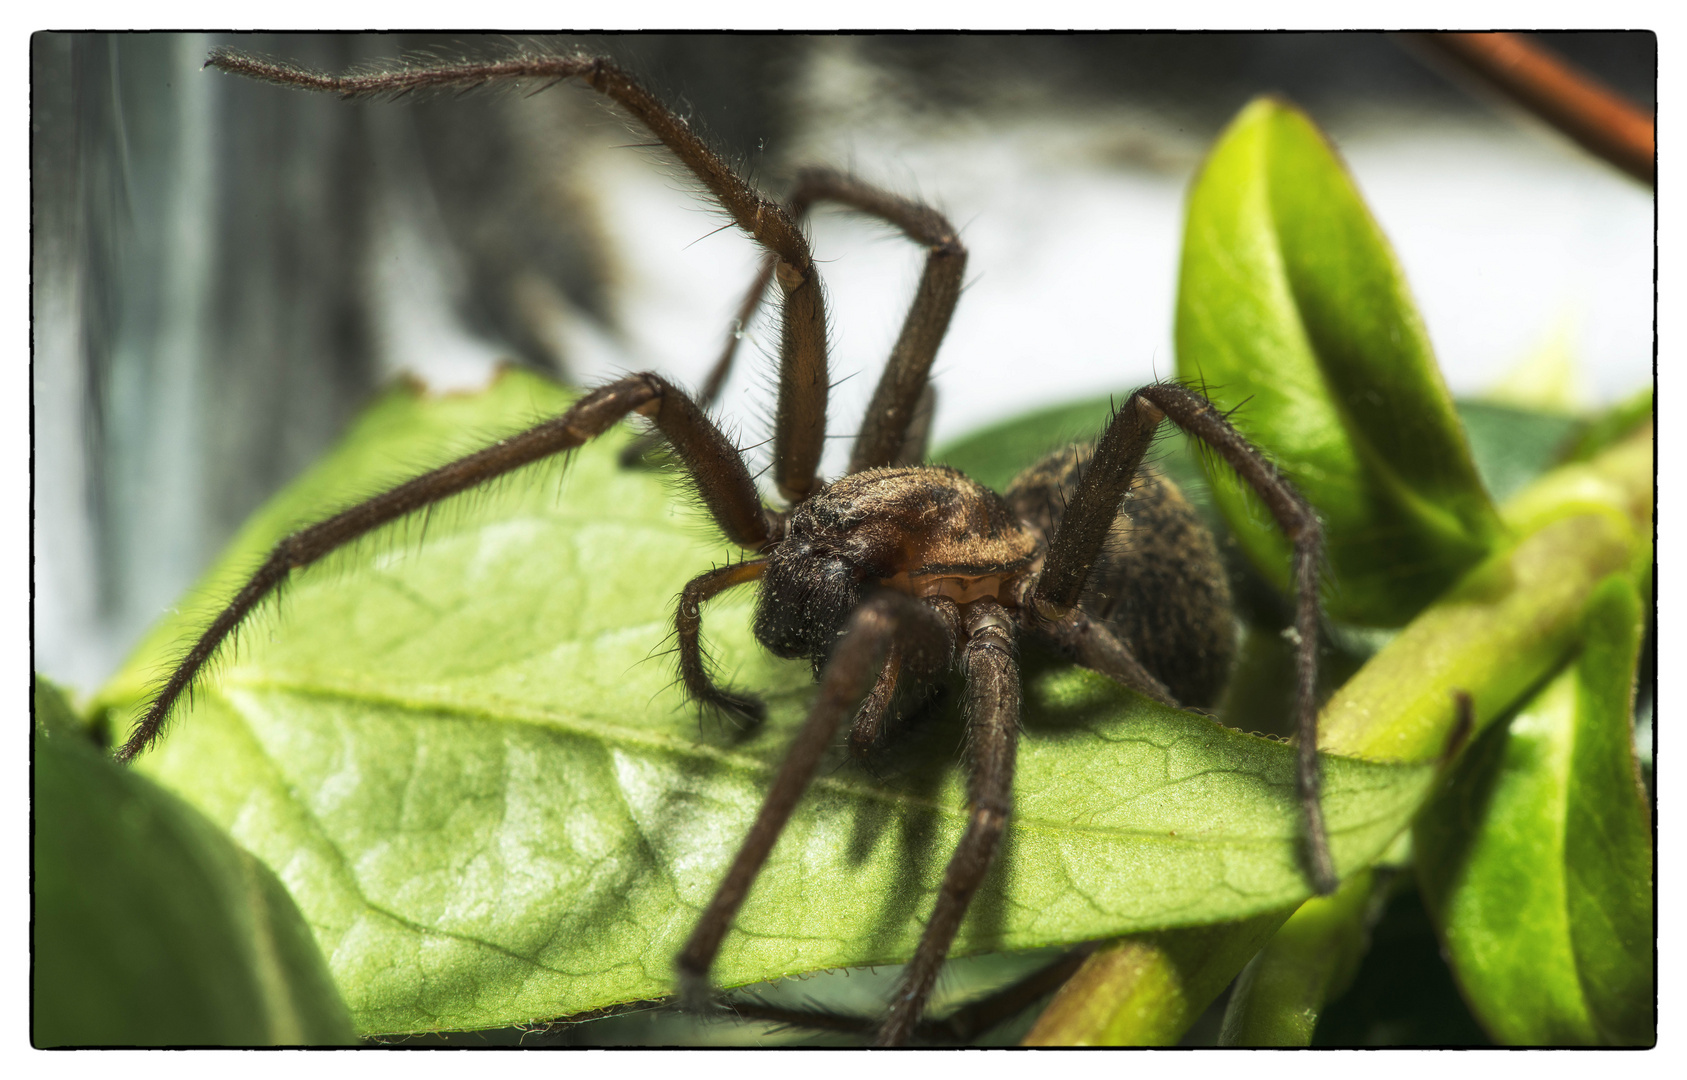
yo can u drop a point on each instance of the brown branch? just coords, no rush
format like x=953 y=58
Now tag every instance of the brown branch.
x=1599 y=119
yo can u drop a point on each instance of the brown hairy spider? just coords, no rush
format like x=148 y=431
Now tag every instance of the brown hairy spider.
x=896 y=571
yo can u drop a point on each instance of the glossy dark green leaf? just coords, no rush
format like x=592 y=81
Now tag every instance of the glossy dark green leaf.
x=151 y=928
x=467 y=760
x=1536 y=862
x=1293 y=311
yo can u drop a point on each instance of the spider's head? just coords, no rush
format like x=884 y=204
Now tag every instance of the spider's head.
x=807 y=594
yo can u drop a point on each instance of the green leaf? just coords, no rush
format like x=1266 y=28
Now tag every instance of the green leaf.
x=1145 y=990
x=1510 y=622
x=467 y=760
x=151 y=928
x=1608 y=827
x=1292 y=311
x=1613 y=424
x=1512 y=446
x=1536 y=862
x=1278 y=997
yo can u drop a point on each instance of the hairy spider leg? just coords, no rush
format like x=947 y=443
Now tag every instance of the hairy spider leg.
x=1094 y=645
x=885 y=617
x=1096 y=501
x=688 y=627
x=993 y=700
x=895 y=408
x=636 y=450
x=723 y=483
x=799 y=430
x=898 y=419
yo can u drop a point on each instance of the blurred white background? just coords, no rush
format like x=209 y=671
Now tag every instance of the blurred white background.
x=225 y=272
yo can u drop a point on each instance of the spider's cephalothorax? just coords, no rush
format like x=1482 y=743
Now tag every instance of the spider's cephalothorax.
x=925 y=531
x=932 y=532
x=895 y=572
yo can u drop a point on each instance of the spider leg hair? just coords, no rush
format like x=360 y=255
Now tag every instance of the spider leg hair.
x=886 y=617
x=722 y=480
x=895 y=411
x=716 y=380
x=1092 y=644
x=992 y=719
x=871 y=728
x=1095 y=503
x=898 y=419
x=800 y=418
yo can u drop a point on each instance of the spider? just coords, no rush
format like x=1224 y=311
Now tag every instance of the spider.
x=895 y=572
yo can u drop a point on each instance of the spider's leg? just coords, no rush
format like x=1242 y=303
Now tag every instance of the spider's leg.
x=872 y=722
x=799 y=431
x=723 y=484
x=1091 y=507
x=899 y=418
x=993 y=696
x=1091 y=643
x=688 y=625
x=885 y=617
x=889 y=431
x=1095 y=502
x=639 y=447
x=1199 y=417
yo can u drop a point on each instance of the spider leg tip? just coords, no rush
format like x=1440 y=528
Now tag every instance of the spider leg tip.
x=692 y=991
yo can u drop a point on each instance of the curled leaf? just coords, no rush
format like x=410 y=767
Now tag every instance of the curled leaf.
x=1293 y=312
x=1537 y=861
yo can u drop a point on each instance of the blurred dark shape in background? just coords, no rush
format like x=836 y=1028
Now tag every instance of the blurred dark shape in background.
x=224 y=273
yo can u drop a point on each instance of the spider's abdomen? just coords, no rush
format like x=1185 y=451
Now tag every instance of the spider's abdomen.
x=1159 y=581
x=927 y=530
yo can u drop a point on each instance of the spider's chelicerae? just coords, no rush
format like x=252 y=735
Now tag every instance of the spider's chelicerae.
x=895 y=572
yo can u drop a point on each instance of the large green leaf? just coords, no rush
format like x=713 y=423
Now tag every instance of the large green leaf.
x=467 y=761
x=151 y=928
x=1293 y=311
x=1537 y=860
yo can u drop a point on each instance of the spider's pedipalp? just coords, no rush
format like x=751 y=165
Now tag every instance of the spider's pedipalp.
x=688 y=625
